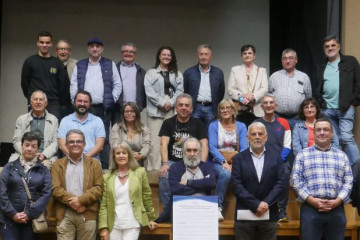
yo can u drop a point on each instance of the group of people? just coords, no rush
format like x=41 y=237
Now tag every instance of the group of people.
x=197 y=140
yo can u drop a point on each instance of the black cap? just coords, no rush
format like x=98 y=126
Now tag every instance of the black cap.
x=95 y=40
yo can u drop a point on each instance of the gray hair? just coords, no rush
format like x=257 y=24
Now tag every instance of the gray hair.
x=289 y=50
x=267 y=95
x=39 y=91
x=191 y=139
x=64 y=41
x=258 y=125
x=128 y=44
x=205 y=45
x=75 y=131
x=184 y=95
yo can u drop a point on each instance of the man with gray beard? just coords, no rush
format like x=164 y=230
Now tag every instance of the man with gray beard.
x=190 y=176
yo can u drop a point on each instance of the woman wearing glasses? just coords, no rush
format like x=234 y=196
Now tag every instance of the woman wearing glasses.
x=227 y=137
x=131 y=131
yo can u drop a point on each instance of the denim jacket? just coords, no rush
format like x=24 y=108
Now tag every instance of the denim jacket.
x=301 y=137
x=154 y=89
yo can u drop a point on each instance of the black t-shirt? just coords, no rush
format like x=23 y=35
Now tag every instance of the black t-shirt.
x=179 y=132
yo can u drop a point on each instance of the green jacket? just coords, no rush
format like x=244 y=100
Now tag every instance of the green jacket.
x=140 y=197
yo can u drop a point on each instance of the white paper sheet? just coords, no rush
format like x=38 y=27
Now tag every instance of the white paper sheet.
x=249 y=215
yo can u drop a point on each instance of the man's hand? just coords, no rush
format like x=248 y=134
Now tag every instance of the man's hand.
x=41 y=156
x=329 y=205
x=163 y=170
x=262 y=208
x=167 y=107
x=322 y=205
x=74 y=203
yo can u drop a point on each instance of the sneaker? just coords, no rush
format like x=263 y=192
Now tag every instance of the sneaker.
x=220 y=216
x=283 y=217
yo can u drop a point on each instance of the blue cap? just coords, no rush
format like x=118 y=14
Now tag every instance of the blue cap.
x=95 y=40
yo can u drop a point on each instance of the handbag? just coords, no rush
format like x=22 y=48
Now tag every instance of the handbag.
x=230 y=154
x=40 y=224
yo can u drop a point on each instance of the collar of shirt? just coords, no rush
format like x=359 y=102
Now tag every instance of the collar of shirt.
x=38 y=118
x=98 y=62
x=76 y=163
x=322 y=150
x=285 y=73
x=334 y=64
x=202 y=70
x=252 y=152
x=74 y=118
x=126 y=65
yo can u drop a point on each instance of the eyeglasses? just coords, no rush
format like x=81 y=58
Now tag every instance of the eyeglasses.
x=129 y=112
x=63 y=49
x=325 y=130
x=75 y=142
x=128 y=51
x=288 y=58
x=225 y=109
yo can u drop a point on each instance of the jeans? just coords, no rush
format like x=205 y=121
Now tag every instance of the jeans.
x=164 y=188
x=204 y=113
x=223 y=180
x=315 y=224
x=98 y=110
x=343 y=124
x=259 y=230
x=17 y=231
x=283 y=202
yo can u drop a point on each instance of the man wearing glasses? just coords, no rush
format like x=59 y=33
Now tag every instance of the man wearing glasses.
x=322 y=179
x=77 y=186
x=132 y=77
x=46 y=73
x=290 y=87
x=91 y=125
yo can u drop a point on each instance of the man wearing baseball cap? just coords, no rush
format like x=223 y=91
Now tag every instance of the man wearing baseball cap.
x=98 y=76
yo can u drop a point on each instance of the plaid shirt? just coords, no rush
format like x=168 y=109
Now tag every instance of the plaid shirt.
x=322 y=174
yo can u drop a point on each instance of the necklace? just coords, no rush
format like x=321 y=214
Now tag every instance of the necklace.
x=122 y=175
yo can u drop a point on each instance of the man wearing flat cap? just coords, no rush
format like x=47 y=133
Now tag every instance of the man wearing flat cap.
x=98 y=76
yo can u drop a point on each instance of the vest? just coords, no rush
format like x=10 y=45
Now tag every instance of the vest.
x=106 y=72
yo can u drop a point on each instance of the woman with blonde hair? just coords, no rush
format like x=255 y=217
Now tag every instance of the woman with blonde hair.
x=126 y=195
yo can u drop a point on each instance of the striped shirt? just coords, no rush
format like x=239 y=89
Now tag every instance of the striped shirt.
x=322 y=174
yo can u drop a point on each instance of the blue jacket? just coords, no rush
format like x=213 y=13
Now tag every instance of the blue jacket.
x=215 y=156
x=249 y=192
x=13 y=197
x=192 y=80
x=301 y=136
x=106 y=71
x=140 y=89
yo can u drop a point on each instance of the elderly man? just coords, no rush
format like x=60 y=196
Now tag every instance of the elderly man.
x=258 y=183
x=100 y=77
x=89 y=124
x=63 y=53
x=45 y=72
x=322 y=179
x=279 y=139
x=205 y=83
x=77 y=188
x=190 y=176
x=132 y=77
x=174 y=131
x=340 y=72
x=39 y=121
x=290 y=87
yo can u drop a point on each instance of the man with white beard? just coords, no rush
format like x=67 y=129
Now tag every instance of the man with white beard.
x=190 y=176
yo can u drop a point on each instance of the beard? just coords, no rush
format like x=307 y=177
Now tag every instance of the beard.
x=192 y=161
x=81 y=112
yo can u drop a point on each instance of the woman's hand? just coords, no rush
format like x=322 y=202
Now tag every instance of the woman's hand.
x=152 y=225
x=20 y=217
x=104 y=234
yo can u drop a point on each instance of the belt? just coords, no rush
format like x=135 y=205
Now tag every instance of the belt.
x=204 y=103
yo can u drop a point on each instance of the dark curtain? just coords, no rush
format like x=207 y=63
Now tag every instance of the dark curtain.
x=302 y=26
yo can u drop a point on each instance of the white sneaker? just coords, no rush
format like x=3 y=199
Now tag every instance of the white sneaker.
x=220 y=216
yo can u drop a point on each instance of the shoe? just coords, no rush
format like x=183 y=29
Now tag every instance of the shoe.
x=220 y=216
x=283 y=217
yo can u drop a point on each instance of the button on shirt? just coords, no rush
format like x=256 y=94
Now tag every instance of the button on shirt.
x=322 y=174
x=258 y=162
x=289 y=91
x=204 y=94
x=128 y=78
x=94 y=83
x=74 y=177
